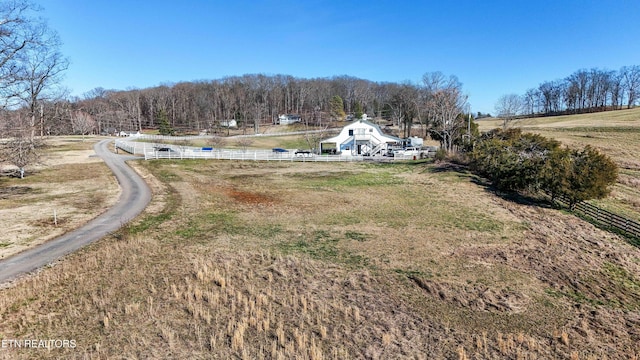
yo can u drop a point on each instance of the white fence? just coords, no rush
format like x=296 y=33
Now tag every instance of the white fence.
x=192 y=137
x=164 y=151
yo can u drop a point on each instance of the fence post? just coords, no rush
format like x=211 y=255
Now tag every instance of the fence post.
x=626 y=226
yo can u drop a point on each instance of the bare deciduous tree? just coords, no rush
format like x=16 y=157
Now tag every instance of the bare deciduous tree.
x=631 y=82
x=21 y=151
x=15 y=36
x=244 y=143
x=444 y=104
x=217 y=142
x=508 y=107
x=41 y=69
x=82 y=123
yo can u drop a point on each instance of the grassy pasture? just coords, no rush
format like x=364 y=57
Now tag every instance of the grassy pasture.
x=69 y=181
x=265 y=142
x=334 y=261
x=628 y=118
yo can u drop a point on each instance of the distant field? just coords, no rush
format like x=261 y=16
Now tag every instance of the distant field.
x=615 y=133
x=620 y=118
x=335 y=261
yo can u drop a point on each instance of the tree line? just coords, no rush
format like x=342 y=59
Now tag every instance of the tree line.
x=256 y=99
x=253 y=100
x=585 y=90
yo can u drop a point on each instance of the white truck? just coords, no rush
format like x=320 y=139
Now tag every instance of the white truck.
x=415 y=152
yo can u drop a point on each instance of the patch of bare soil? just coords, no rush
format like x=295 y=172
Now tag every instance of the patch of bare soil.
x=249 y=198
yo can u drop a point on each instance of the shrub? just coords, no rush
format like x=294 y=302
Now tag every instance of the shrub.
x=511 y=160
x=528 y=162
x=585 y=174
x=440 y=155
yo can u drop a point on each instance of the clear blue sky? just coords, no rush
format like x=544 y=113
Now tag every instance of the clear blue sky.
x=493 y=47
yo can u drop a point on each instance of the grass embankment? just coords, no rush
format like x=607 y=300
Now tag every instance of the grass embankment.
x=266 y=260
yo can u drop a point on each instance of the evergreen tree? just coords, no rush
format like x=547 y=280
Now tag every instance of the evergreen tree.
x=357 y=111
x=590 y=176
x=336 y=108
x=163 y=120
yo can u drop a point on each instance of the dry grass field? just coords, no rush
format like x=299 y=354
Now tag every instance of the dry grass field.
x=334 y=261
x=68 y=181
x=627 y=118
x=615 y=133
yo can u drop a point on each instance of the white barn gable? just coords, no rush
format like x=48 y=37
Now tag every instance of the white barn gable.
x=359 y=138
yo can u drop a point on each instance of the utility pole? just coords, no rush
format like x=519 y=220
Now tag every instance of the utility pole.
x=469 y=127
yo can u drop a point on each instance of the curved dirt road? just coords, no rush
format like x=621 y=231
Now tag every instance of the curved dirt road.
x=134 y=198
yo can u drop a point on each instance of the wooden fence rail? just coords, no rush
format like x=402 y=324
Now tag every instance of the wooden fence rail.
x=607 y=218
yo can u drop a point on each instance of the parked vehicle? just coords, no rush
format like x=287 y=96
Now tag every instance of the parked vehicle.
x=430 y=151
x=410 y=151
x=416 y=152
x=164 y=149
x=303 y=153
x=279 y=150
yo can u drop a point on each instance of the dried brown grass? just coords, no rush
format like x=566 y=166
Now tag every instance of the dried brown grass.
x=322 y=271
x=68 y=189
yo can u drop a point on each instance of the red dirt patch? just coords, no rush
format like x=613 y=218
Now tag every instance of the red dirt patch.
x=250 y=198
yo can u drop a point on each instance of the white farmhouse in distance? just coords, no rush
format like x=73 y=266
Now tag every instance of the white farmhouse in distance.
x=360 y=138
x=288 y=119
x=229 y=124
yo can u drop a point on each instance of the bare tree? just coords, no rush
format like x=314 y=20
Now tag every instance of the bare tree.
x=508 y=107
x=631 y=83
x=15 y=36
x=21 y=151
x=404 y=103
x=551 y=95
x=83 y=123
x=41 y=70
x=314 y=133
x=531 y=101
x=184 y=144
x=217 y=142
x=244 y=143
x=445 y=103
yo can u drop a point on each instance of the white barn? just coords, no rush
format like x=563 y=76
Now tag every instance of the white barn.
x=360 y=138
